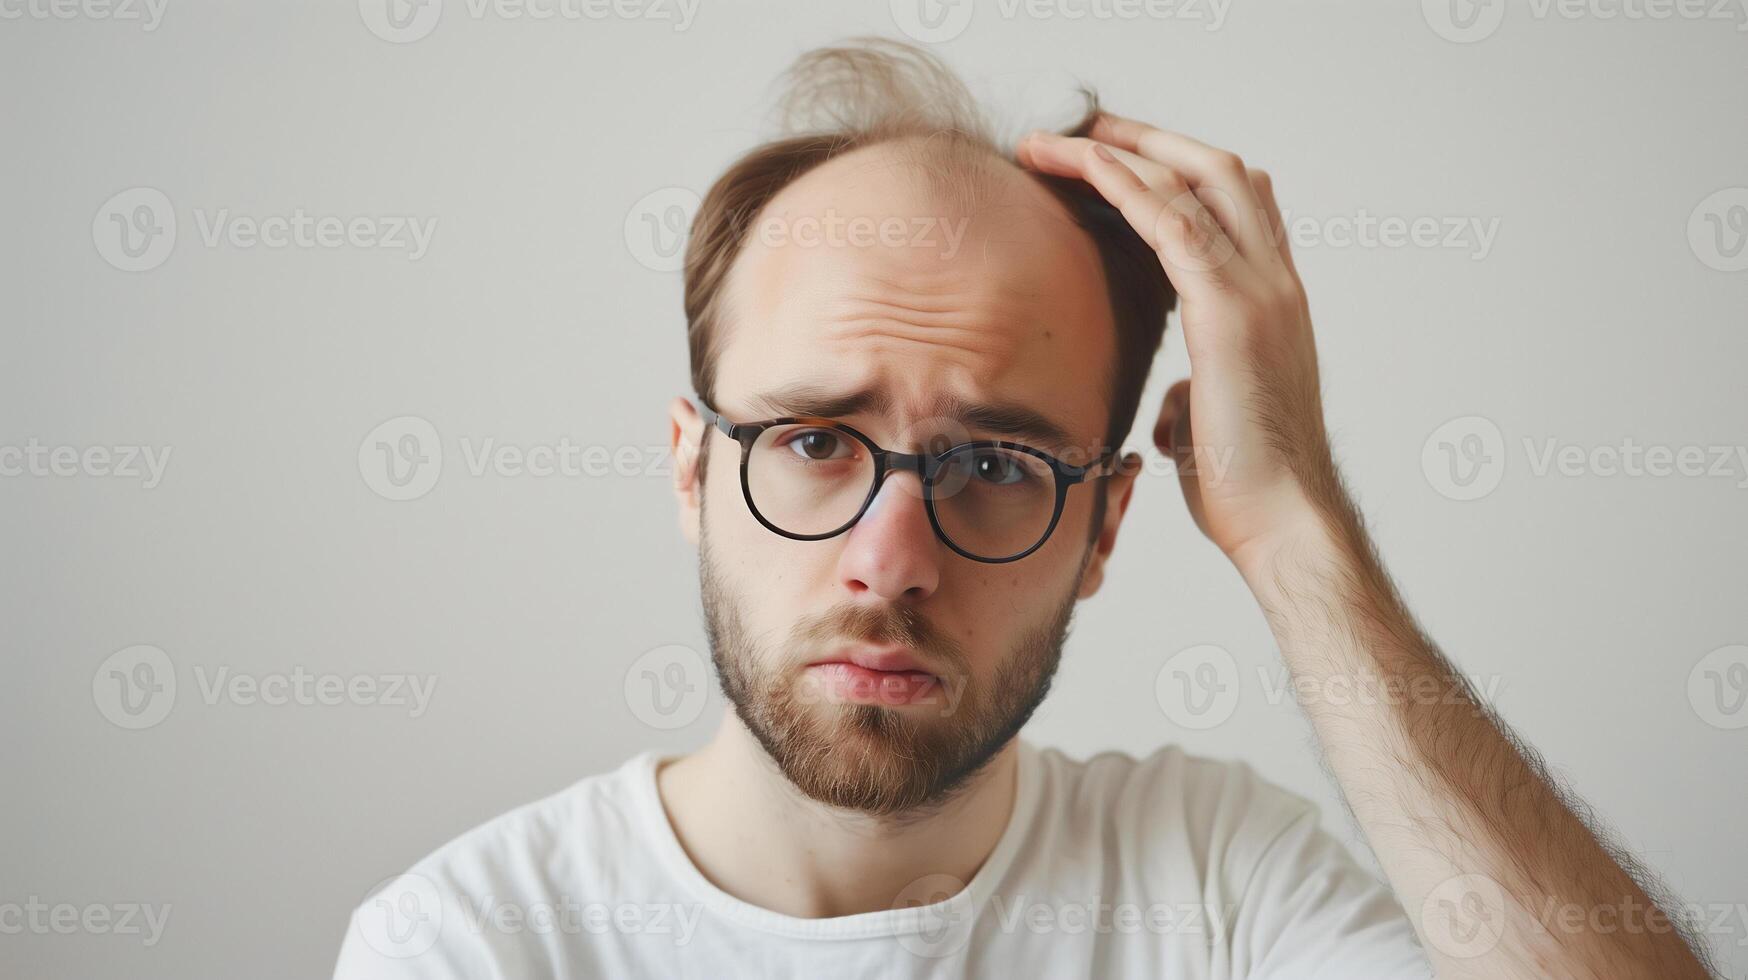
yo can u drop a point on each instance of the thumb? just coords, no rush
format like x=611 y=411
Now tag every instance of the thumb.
x=1172 y=432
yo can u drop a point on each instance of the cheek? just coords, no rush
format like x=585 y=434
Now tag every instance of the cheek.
x=776 y=581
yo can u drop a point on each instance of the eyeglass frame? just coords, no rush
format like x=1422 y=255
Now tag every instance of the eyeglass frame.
x=926 y=467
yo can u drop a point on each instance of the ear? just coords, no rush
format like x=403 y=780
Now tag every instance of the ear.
x=685 y=435
x=1118 y=488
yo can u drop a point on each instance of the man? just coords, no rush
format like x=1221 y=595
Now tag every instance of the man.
x=901 y=476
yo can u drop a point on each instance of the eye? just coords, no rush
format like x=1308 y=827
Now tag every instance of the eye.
x=998 y=468
x=819 y=445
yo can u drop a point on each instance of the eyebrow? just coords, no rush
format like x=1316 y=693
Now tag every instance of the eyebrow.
x=1000 y=418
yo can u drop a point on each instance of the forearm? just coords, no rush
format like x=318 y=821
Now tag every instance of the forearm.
x=1455 y=809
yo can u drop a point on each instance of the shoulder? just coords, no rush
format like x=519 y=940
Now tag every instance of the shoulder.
x=567 y=835
x=443 y=916
x=1220 y=816
x=1208 y=794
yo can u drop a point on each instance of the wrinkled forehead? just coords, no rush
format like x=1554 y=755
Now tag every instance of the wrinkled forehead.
x=868 y=275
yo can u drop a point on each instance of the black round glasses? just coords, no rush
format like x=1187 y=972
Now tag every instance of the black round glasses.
x=809 y=478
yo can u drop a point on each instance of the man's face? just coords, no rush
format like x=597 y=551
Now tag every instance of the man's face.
x=1003 y=304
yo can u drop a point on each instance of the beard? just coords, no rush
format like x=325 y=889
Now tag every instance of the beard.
x=871 y=758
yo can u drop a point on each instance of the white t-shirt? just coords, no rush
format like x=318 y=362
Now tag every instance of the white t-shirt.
x=1168 y=866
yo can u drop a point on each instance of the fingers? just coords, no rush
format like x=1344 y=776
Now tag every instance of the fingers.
x=1196 y=252
x=1172 y=431
x=1264 y=186
x=1205 y=168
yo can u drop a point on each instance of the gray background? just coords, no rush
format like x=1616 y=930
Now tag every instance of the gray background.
x=1588 y=601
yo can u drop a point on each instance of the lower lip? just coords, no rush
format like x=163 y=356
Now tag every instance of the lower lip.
x=860 y=685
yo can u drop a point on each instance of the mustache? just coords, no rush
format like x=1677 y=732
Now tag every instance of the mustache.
x=900 y=625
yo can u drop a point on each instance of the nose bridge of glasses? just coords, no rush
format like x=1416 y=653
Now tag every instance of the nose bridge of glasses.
x=922 y=464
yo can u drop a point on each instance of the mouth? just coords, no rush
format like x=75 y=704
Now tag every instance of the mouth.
x=890 y=676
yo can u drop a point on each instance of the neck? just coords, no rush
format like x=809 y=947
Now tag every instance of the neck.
x=753 y=835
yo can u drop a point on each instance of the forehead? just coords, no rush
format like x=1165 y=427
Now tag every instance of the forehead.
x=863 y=274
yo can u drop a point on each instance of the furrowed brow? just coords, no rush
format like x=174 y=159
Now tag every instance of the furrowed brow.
x=1021 y=423
x=804 y=398
x=1005 y=419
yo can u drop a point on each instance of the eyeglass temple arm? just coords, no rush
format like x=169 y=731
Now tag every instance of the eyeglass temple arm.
x=712 y=417
x=1105 y=466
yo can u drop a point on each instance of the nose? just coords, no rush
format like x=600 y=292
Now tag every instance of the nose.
x=892 y=552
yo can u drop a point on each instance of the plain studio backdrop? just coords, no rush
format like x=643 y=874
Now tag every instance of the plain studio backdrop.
x=283 y=281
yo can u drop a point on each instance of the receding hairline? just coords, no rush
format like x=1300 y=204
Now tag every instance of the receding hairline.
x=961 y=174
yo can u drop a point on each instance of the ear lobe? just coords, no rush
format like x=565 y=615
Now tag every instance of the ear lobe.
x=685 y=437
x=1118 y=488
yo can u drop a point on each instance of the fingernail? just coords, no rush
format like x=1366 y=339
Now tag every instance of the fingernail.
x=1104 y=154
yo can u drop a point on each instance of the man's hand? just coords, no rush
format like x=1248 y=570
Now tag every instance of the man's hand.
x=1484 y=851
x=1255 y=463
